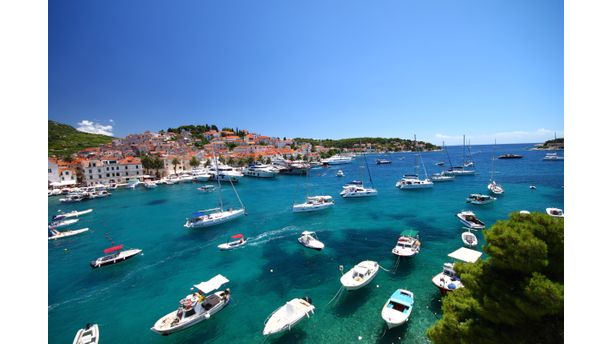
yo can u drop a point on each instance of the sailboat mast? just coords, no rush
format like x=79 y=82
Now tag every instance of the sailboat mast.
x=493 y=160
x=447 y=154
x=463 y=150
x=368 y=168
x=218 y=180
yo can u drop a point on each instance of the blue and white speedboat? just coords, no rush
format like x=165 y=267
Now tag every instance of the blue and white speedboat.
x=398 y=308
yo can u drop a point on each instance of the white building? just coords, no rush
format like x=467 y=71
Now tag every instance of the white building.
x=53 y=172
x=112 y=171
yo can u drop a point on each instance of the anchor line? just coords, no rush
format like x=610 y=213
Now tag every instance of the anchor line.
x=387 y=270
x=335 y=296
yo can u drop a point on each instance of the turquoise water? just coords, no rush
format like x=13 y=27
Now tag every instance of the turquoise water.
x=126 y=299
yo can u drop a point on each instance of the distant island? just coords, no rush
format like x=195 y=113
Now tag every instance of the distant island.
x=554 y=144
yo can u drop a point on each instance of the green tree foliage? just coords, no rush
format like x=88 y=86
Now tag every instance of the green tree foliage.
x=516 y=294
x=194 y=162
x=387 y=144
x=175 y=162
x=231 y=146
x=64 y=140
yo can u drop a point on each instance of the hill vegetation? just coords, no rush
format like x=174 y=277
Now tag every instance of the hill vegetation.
x=379 y=143
x=64 y=140
x=513 y=296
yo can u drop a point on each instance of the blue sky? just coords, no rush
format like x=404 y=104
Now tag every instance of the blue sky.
x=325 y=69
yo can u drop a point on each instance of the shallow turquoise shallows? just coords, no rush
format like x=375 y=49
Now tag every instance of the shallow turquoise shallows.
x=125 y=300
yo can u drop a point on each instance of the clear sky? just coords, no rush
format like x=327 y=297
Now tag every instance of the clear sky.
x=490 y=69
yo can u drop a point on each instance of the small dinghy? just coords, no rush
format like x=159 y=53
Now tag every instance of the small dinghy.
x=54 y=234
x=340 y=173
x=114 y=258
x=532 y=187
x=360 y=275
x=495 y=188
x=206 y=188
x=195 y=307
x=310 y=240
x=285 y=317
x=470 y=220
x=60 y=222
x=480 y=199
x=469 y=239
x=240 y=241
x=554 y=212
x=72 y=214
x=88 y=335
x=408 y=244
x=398 y=308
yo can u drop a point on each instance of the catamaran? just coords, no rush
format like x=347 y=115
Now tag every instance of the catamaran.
x=195 y=307
x=408 y=244
x=355 y=191
x=360 y=275
x=313 y=203
x=470 y=220
x=232 y=244
x=286 y=316
x=412 y=181
x=309 y=239
x=215 y=216
x=113 y=258
x=398 y=308
x=480 y=199
x=493 y=186
x=448 y=280
x=443 y=176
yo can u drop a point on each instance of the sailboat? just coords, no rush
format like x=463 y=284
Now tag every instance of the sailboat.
x=313 y=203
x=215 y=216
x=461 y=170
x=493 y=186
x=443 y=176
x=412 y=181
x=355 y=191
x=470 y=161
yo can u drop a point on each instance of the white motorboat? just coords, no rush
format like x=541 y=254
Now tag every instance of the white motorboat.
x=554 y=212
x=314 y=203
x=60 y=222
x=310 y=240
x=90 y=334
x=149 y=184
x=54 y=192
x=448 y=280
x=495 y=188
x=360 y=275
x=460 y=171
x=224 y=173
x=552 y=157
x=72 y=198
x=470 y=220
x=352 y=183
x=206 y=188
x=408 y=244
x=480 y=199
x=260 y=171
x=398 y=307
x=211 y=217
x=442 y=177
x=469 y=239
x=337 y=160
x=358 y=191
x=201 y=176
x=97 y=194
x=74 y=213
x=195 y=307
x=133 y=184
x=411 y=181
x=54 y=234
x=118 y=255
x=339 y=173
x=232 y=244
x=382 y=162
x=285 y=317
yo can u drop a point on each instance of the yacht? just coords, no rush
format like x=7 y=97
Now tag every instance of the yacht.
x=358 y=191
x=118 y=256
x=285 y=317
x=398 y=307
x=495 y=188
x=510 y=156
x=211 y=217
x=225 y=173
x=360 y=275
x=196 y=307
x=296 y=168
x=337 y=160
x=554 y=212
x=149 y=184
x=74 y=213
x=54 y=234
x=314 y=203
x=201 y=175
x=448 y=280
x=552 y=157
x=411 y=181
x=408 y=244
x=88 y=335
x=442 y=177
x=72 y=198
x=59 y=222
x=309 y=239
x=470 y=220
x=382 y=162
x=185 y=177
x=260 y=171
x=460 y=171
x=480 y=199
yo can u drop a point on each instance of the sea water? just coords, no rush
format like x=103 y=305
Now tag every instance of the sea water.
x=126 y=299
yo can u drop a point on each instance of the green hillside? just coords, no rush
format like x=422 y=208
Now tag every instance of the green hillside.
x=65 y=140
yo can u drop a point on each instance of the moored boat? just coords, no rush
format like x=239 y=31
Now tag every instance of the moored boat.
x=195 y=307
x=470 y=220
x=74 y=213
x=314 y=203
x=358 y=191
x=286 y=316
x=448 y=280
x=552 y=157
x=339 y=173
x=383 y=161
x=510 y=156
x=360 y=275
x=469 y=239
x=149 y=184
x=211 y=217
x=54 y=234
x=554 y=212
x=480 y=199
x=442 y=177
x=398 y=308
x=495 y=188
x=408 y=244
x=90 y=334
x=309 y=239
x=118 y=256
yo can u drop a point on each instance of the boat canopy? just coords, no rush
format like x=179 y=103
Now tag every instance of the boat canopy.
x=213 y=284
x=237 y=236
x=466 y=255
x=410 y=233
x=402 y=298
x=113 y=249
x=204 y=212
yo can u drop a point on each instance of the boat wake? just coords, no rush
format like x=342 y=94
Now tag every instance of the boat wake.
x=273 y=235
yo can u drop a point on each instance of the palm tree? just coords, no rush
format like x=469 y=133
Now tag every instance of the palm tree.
x=175 y=162
x=194 y=162
x=157 y=165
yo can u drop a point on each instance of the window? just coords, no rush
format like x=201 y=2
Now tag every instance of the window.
x=126 y=173
x=49 y=170
x=89 y=170
x=107 y=175
x=137 y=173
x=126 y=167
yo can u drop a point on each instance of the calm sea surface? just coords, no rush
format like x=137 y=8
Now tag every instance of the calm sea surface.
x=125 y=300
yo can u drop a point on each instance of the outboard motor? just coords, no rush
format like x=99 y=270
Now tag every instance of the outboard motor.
x=307 y=299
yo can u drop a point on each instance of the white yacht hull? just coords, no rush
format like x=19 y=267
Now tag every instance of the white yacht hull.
x=216 y=220
x=66 y=234
x=351 y=284
x=414 y=186
x=161 y=325
x=287 y=316
x=356 y=194
x=304 y=207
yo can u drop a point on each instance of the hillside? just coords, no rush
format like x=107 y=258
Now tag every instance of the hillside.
x=383 y=144
x=64 y=140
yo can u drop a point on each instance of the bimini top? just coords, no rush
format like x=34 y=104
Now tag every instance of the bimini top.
x=213 y=284
x=307 y=233
x=410 y=233
x=466 y=255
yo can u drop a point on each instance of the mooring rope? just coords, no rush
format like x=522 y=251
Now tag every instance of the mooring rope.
x=387 y=270
x=335 y=296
